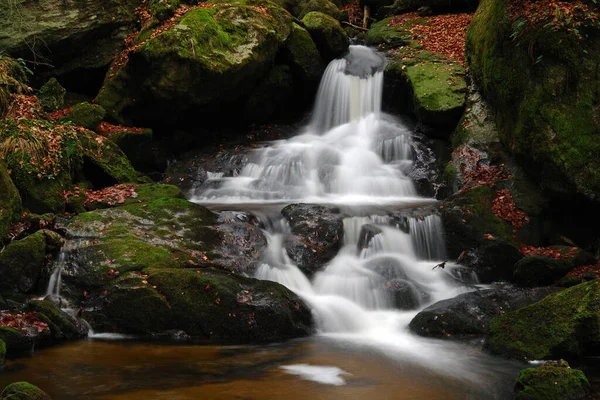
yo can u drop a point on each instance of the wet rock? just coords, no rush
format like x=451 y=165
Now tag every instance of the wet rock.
x=318 y=235
x=406 y=295
x=553 y=380
x=330 y=38
x=564 y=324
x=469 y=314
x=539 y=270
x=468 y=220
x=205 y=304
x=367 y=233
x=62 y=325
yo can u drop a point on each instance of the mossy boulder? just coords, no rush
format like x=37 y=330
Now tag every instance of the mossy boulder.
x=46 y=158
x=85 y=114
x=213 y=57
x=205 y=304
x=545 y=96
x=564 y=324
x=552 y=381
x=52 y=96
x=62 y=326
x=431 y=87
x=13 y=80
x=468 y=220
x=538 y=270
x=23 y=391
x=22 y=264
x=330 y=38
x=304 y=58
x=299 y=8
x=137 y=144
x=10 y=201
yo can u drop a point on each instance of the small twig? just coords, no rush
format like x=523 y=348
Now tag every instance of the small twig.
x=354 y=26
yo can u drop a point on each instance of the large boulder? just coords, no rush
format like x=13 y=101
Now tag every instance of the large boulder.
x=330 y=38
x=317 y=235
x=553 y=380
x=10 y=202
x=208 y=60
x=469 y=314
x=71 y=38
x=564 y=324
x=541 y=79
x=477 y=237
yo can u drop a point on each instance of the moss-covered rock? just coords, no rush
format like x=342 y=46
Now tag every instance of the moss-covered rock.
x=137 y=145
x=564 y=324
x=468 y=220
x=204 y=303
x=85 y=114
x=10 y=202
x=537 y=270
x=435 y=88
x=23 y=391
x=469 y=314
x=213 y=56
x=62 y=325
x=52 y=96
x=552 y=381
x=45 y=158
x=17 y=341
x=544 y=96
x=381 y=33
x=21 y=264
x=299 y=8
x=2 y=353
x=304 y=57
x=330 y=38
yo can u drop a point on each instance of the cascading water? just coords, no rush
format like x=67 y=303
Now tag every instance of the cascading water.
x=354 y=155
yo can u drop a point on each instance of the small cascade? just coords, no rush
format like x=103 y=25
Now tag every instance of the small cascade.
x=353 y=155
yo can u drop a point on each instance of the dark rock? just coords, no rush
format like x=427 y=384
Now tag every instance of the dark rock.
x=10 y=202
x=85 y=114
x=62 y=325
x=435 y=6
x=468 y=218
x=318 y=235
x=470 y=313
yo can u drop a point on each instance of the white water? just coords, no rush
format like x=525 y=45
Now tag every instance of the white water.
x=352 y=153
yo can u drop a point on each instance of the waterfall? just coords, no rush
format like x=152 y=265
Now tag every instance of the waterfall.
x=354 y=155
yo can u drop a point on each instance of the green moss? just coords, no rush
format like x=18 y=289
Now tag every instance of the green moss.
x=62 y=326
x=449 y=174
x=381 y=33
x=2 y=352
x=21 y=264
x=12 y=339
x=10 y=202
x=107 y=156
x=544 y=97
x=154 y=191
x=85 y=114
x=551 y=383
x=304 y=56
x=23 y=391
x=330 y=38
x=563 y=324
x=163 y=9
x=52 y=96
